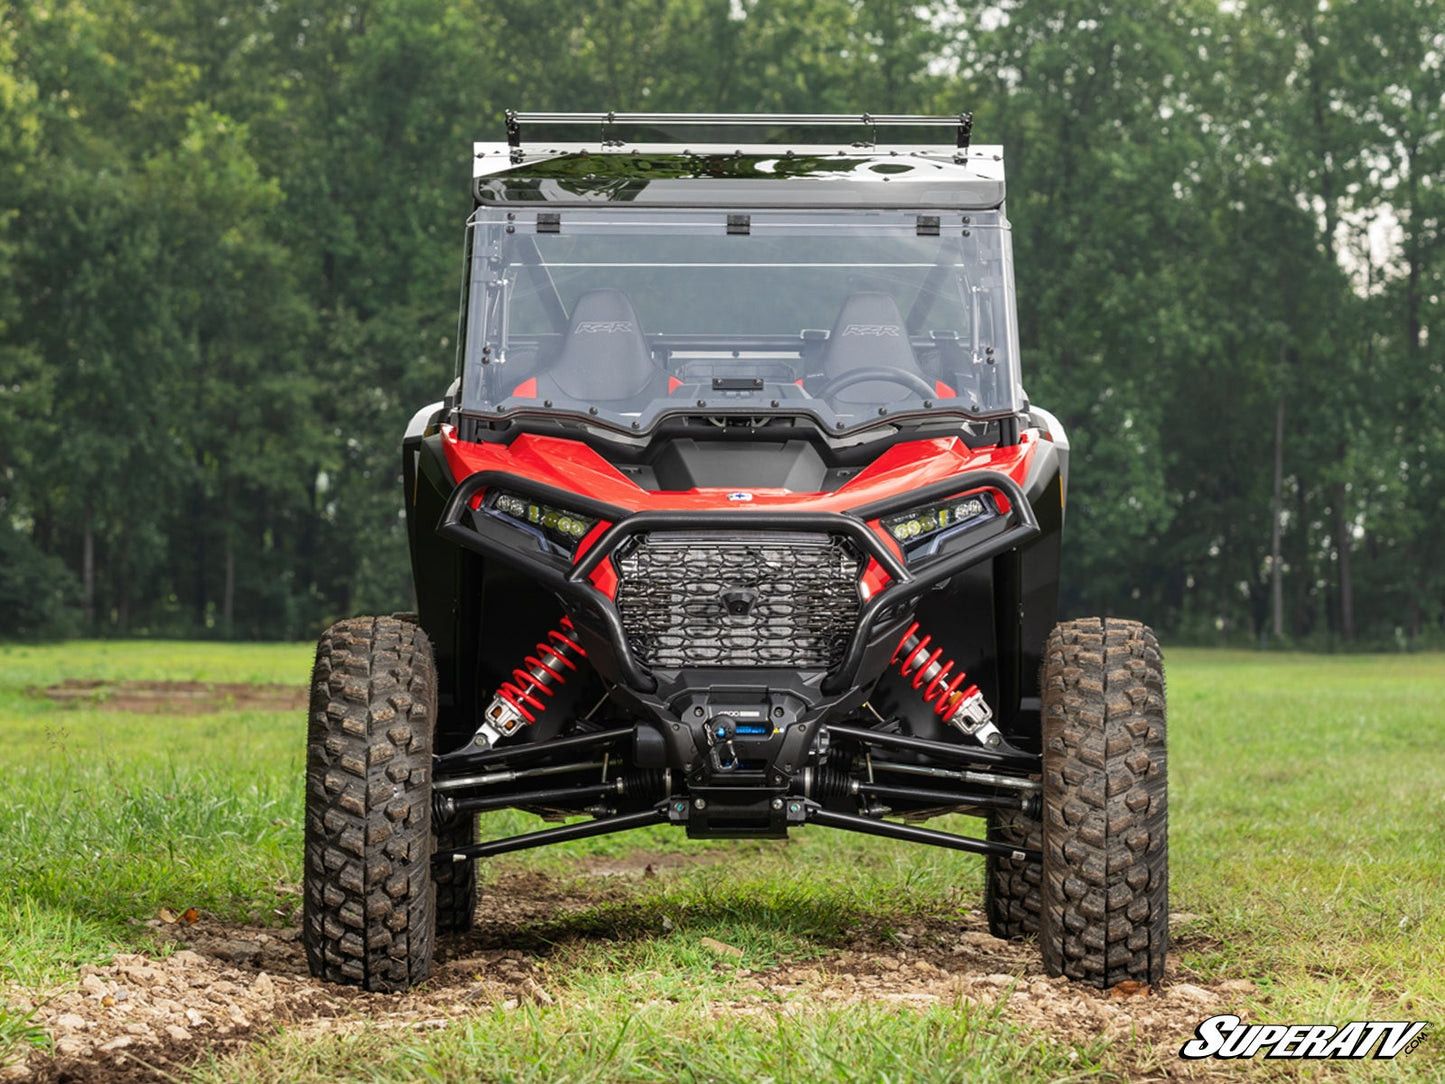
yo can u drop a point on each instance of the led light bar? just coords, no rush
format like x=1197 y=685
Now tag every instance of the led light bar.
x=560 y=526
x=919 y=525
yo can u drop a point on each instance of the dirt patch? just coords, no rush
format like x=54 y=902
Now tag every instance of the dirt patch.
x=146 y=1017
x=211 y=987
x=175 y=697
x=960 y=963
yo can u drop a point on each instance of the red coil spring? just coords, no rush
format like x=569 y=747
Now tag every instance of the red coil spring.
x=923 y=667
x=539 y=673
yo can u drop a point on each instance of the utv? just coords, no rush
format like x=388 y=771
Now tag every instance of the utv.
x=736 y=518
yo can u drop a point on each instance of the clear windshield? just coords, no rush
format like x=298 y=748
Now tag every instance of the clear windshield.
x=623 y=315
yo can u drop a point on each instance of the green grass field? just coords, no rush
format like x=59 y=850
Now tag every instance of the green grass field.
x=1307 y=835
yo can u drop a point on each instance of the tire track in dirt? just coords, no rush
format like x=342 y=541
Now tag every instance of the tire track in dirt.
x=147 y=1017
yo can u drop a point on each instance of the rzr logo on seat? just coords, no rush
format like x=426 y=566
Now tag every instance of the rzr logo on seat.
x=875 y=330
x=603 y=327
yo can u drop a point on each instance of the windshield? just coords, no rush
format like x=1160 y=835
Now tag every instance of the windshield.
x=624 y=315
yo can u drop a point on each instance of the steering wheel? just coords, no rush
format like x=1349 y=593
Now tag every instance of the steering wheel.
x=902 y=377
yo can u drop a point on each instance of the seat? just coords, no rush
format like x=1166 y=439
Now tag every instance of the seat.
x=604 y=360
x=869 y=334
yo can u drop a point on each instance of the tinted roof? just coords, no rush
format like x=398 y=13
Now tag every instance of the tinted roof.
x=584 y=174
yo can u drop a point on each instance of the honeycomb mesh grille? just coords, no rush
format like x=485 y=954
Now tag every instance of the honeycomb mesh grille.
x=760 y=598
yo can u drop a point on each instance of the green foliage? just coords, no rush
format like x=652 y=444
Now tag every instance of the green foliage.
x=37 y=592
x=228 y=256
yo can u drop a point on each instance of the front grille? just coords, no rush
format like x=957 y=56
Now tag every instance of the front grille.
x=748 y=598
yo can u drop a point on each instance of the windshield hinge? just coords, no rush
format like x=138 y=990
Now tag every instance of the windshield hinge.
x=928 y=225
x=740 y=224
x=549 y=222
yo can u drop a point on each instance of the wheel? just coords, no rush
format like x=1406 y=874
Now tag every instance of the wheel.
x=456 y=882
x=368 y=890
x=1105 y=887
x=1011 y=896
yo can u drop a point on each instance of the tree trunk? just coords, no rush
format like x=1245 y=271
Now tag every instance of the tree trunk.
x=87 y=577
x=1414 y=612
x=1415 y=341
x=122 y=590
x=1347 y=586
x=201 y=557
x=1344 y=543
x=228 y=597
x=1276 y=578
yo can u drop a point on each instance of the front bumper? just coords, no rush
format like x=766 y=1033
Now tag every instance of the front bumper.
x=596 y=614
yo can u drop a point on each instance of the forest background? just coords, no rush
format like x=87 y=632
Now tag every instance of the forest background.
x=230 y=255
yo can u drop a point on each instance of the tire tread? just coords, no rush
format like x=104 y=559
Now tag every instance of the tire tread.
x=367 y=916
x=456 y=882
x=1105 y=870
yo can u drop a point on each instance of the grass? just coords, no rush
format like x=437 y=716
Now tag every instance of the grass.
x=110 y=816
x=942 y=1045
x=1307 y=833
x=1308 y=828
x=18 y=1031
x=23 y=665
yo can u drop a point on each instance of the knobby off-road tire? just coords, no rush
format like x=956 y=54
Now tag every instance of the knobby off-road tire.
x=368 y=888
x=456 y=882
x=1011 y=890
x=1105 y=889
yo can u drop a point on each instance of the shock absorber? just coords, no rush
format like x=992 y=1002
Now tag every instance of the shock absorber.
x=963 y=707
x=518 y=702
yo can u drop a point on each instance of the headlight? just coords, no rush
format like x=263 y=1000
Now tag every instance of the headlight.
x=563 y=528
x=919 y=529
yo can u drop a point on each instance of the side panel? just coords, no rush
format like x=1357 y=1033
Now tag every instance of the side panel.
x=448 y=586
x=1034 y=582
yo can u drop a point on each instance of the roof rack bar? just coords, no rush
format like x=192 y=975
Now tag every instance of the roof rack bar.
x=963 y=122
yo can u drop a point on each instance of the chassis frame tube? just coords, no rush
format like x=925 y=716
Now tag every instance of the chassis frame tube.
x=942 y=797
x=486 y=802
x=602 y=826
x=994 y=758
x=911 y=833
x=492 y=780
x=987 y=779
x=446 y=765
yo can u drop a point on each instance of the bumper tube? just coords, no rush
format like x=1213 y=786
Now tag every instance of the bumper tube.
x=571 y=582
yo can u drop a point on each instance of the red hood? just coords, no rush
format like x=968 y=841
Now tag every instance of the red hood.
x=574 y=466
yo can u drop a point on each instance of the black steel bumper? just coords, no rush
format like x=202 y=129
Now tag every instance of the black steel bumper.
x=572 y=581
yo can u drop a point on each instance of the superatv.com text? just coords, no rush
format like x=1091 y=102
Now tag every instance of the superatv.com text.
x=1226 y=1036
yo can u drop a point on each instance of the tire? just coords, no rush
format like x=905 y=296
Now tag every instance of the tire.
x=1011 y=895
x=1105 y=888
x=456 y=882
x=368 y=911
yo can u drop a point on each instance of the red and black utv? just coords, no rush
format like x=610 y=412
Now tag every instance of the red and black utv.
x=736 y=518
